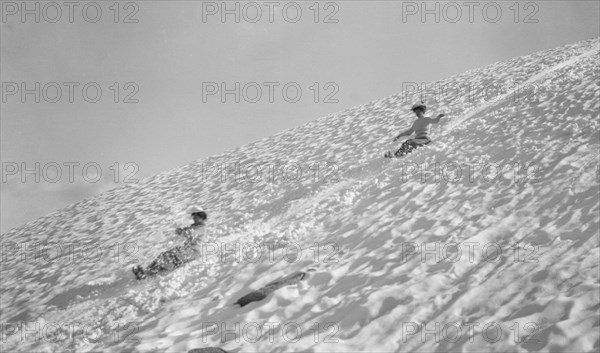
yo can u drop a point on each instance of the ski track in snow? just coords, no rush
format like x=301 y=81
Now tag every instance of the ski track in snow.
x=372 y=288
x=530 y=81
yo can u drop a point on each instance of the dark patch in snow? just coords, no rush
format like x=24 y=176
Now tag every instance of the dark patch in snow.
x=262 y=293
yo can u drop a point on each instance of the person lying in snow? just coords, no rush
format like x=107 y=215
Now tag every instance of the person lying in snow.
x=173 y=258
x=420 y=127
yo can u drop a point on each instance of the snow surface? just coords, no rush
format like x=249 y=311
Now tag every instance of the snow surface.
x=537 y=289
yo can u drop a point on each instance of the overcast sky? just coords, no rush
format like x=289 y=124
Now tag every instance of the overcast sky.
x=157 y=65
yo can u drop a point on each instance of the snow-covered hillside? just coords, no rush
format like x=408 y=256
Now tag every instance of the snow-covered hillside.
x=400 y=255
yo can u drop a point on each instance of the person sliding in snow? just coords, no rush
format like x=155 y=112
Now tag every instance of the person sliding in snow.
x=173 y=258
x=420 y=127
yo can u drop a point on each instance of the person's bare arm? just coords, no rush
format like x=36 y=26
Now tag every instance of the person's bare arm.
x=437 y=119
x=404 y=133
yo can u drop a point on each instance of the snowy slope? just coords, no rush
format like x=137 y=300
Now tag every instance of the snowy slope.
x=526 y=277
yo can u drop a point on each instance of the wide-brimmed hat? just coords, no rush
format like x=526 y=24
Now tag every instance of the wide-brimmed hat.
x=419 y=105
x=194 y=209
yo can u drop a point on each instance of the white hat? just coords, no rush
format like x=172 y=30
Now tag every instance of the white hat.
x=195 y=209
x=419 y=105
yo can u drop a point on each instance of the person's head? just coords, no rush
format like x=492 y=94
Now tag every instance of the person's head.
x=199 y=217
x=419 y=109
x=198 y=214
